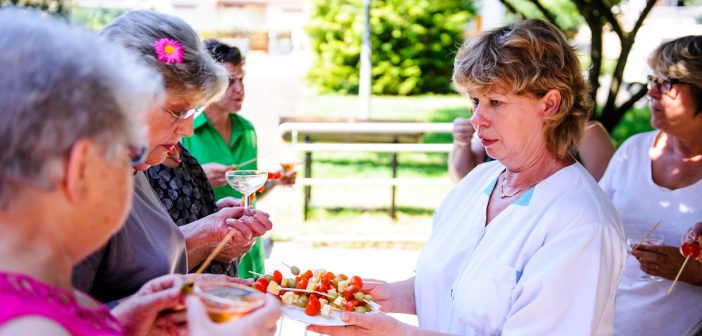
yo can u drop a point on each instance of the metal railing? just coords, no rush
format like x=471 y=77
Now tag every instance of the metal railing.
x=396 y=130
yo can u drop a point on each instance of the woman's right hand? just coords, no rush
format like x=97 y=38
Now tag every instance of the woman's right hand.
x=247 y=224
x=462 y=132
x=258 y=323
x=215 y=173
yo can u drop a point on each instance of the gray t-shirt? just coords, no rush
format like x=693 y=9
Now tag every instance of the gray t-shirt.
x=147 y=246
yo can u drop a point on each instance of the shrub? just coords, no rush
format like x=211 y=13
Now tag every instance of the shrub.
x=413 y=44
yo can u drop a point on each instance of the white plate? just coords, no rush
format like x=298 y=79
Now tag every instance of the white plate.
x=298 y=314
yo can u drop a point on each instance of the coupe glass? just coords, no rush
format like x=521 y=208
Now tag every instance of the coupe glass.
x=653 y=240
x=226 y=301
x=246 y=182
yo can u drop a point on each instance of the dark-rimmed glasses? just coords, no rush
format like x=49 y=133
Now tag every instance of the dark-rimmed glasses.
x=183 y=115
x=663 y=85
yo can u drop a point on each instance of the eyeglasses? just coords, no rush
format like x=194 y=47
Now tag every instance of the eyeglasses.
x=137 y=155
x=183 y=115
x=663 y=85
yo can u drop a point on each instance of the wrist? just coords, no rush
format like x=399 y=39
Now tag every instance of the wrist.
x=194 y=234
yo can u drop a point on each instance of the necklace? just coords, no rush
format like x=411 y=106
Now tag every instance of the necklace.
x=502 y=185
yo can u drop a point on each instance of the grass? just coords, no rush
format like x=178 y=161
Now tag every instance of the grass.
x=434 y=108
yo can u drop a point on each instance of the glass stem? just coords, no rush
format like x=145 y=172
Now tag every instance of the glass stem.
x=247 y=202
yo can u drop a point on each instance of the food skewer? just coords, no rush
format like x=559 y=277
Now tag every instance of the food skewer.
x=299 y=290
x=213 y=254
x=679 y=273
x=237 y=166
x=646 y=235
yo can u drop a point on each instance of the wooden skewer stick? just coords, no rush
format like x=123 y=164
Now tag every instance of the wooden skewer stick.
x=678 y=276
x=258 y=274
x=252 y=160
x=187 y=285
x=214 y=252
x=646 y=236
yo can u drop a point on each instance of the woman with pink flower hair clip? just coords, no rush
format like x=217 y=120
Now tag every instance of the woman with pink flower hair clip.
x=150 y=244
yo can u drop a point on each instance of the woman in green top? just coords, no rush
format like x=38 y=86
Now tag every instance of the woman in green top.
x=222 y=138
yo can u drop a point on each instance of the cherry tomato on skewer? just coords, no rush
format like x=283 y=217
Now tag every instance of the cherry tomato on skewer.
x=278 y=277
x=356 y=280
x=691 y=250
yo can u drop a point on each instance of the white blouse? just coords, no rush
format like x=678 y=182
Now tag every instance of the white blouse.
x=549 y=264
x=644 y=307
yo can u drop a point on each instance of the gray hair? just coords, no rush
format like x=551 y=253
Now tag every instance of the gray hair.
x=60 y=84
x=198 y=77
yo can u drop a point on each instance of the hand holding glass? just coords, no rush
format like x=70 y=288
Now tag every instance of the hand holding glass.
x=246 y=182
x=652 y=240
x=226 y=301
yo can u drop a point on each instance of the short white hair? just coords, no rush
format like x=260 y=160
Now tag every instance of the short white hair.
x=60 y=84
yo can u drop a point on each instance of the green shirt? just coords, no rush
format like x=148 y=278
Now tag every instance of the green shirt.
x=208 y=146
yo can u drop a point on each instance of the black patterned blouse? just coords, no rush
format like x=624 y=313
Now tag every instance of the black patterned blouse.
x=187 y=195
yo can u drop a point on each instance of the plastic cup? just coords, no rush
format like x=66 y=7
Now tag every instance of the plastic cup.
x=226 y=301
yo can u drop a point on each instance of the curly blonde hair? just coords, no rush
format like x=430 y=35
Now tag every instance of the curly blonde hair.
x=530 y=57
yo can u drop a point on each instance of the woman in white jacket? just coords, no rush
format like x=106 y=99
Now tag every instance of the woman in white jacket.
x=527 y=244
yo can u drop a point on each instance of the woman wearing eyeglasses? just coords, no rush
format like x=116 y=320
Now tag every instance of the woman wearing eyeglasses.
x=658 y=176
x=66 y=188
x=150 y=244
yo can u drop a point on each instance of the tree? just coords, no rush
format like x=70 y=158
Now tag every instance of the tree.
x=599 y=16
x=412 y=42
x=58 y=8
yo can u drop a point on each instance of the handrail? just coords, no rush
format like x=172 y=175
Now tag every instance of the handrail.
x=364 y=127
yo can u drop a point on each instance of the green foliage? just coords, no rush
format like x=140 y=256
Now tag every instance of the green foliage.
x=59 y=8
x=413 y=43
x=95 y=18
x=568 y=17
x=636 y=120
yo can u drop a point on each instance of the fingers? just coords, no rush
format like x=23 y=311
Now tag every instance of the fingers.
x=259 y=223
x=358 y=325
x=162 y=283
x=242 y=229
x=241 y=281
x=256 y=227
x=253 y=212
x=336 y=331
x=270 y=312
x=195 y=312
x=231 y=212
x=174 y=317
x=228 y=202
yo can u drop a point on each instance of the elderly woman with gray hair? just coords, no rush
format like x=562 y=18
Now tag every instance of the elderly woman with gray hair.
x=527 y=244
x=150 y=244
x=81 y=100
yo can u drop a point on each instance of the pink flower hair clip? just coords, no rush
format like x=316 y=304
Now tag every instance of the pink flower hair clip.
x=169 y=51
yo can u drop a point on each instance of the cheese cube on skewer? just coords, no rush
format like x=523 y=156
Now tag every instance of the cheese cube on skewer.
x=326 y=310
x=342 y=285
x=339 y=301
x=311 y=286
x=288 y=298
x=273 y=288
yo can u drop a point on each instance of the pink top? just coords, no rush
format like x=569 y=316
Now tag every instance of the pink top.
x=20 y=295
